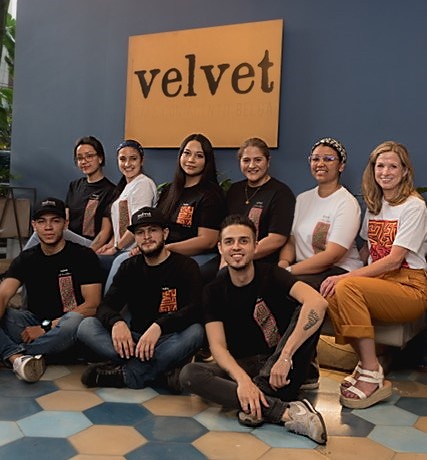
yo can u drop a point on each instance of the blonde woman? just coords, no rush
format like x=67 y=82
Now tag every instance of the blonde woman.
x=392 y=287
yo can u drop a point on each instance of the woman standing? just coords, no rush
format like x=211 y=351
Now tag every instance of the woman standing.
x=393 y=286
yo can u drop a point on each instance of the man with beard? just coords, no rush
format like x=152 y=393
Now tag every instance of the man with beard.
x=63 y=285
x=162 y=292
x=261 y=339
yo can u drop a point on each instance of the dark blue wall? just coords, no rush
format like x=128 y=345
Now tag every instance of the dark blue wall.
x=354 y=70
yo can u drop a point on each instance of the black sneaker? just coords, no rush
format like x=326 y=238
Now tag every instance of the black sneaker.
x=172 y=381
x=103 y=375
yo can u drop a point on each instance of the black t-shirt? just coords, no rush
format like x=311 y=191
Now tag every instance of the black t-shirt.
x=236 y=308
x=202 y=205
x=271 y=208
x=168 y=294
x=90 y=198
x=53 y=282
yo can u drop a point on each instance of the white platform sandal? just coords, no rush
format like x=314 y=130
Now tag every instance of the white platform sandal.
x=363 y=401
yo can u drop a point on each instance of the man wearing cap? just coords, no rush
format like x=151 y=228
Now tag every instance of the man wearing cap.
x=162 y=292
x=63 y=281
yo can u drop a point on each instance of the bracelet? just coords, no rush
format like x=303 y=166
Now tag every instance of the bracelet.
x=288 y=360
x=289 y=269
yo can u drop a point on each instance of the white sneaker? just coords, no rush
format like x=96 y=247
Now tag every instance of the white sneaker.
x=305 y=420
x=29 y=368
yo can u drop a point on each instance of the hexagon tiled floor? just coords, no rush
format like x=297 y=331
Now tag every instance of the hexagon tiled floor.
x=58 y=418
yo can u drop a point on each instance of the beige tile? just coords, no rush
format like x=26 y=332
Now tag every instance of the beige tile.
x=410 y=388
x=69 y=400
x=292 y=454
x=72 y=381
x=106 y=440
x=410 y=456
x=184 y=406
x=230 y=446
x=421 y=424
x=349 y=448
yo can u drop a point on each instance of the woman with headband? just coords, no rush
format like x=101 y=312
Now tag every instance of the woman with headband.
x=326 y=222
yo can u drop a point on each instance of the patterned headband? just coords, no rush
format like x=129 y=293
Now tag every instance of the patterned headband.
x=333 y=143
x=131 y=143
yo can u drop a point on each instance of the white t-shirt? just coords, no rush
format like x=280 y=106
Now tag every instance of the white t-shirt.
x=404 y=225
x=138 y=193
x=334 y=219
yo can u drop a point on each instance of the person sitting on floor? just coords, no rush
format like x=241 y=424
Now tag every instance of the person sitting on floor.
x=393 y=286
x=261 y=339
x=63 y=284
x=162 y=292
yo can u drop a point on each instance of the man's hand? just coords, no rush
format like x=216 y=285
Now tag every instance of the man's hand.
x=122 y=340
x=147 y=342
x=251 y=398
x=279 y=373
x=31 y=333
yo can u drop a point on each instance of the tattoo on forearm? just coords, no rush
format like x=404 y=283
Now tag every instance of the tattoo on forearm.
x=313 y=318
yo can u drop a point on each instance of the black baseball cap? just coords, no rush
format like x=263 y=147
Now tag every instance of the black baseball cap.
x=148 y=216
x=49 y=206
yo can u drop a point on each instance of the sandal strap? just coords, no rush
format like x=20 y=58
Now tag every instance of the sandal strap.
x=351 y=378
x=357 y=392
x=372 y=376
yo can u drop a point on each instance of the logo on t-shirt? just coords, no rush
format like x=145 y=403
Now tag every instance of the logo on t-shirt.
x=267 y=323
x=66 y=290
x=168 y=303
x=320 y=237
x=185 y=215
x=381 y=234
x=255 y=216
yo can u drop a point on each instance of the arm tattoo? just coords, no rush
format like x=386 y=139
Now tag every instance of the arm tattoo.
x=313 y=318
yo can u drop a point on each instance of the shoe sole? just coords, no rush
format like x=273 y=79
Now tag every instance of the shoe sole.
x=309 y=386
x=319 y=415
x=377 y=396
x=34 y=369
x=246 y=420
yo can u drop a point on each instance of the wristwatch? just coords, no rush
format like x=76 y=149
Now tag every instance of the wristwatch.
x=46 y=325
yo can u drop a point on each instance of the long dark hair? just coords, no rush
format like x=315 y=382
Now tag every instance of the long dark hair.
x=168 y=202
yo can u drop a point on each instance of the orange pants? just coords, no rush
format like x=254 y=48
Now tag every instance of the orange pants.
x=396 y=297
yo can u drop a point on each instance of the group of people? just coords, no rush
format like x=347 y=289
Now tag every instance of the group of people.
x=253 y=271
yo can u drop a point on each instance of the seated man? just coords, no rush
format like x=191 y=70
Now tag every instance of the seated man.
x=63 y=284
x=261 y=340
x=162 y=292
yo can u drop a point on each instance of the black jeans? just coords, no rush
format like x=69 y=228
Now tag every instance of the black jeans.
x=211 y=382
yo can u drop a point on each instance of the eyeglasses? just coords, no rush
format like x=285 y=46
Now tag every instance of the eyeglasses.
x=86 y=156
x=325 y=158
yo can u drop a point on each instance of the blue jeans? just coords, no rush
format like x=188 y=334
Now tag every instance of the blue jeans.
x=57 y=340
x=170 y=351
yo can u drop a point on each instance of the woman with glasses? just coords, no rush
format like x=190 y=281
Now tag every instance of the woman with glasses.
x=88 y=198
x=326 y=222
x=392 y=287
